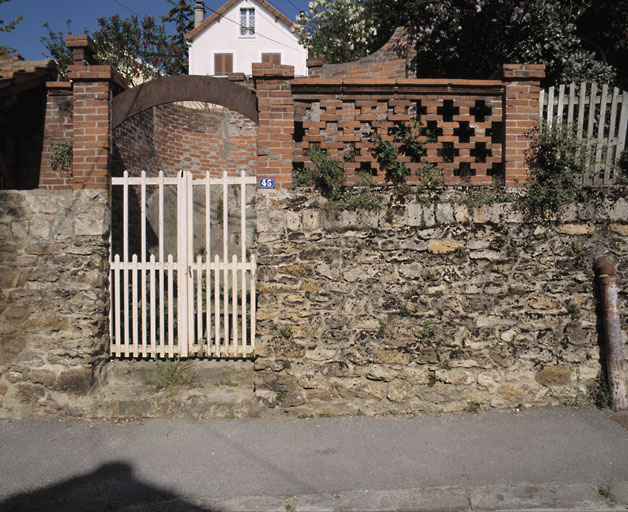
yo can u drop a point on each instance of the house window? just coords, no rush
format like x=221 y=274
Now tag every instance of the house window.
x=271 y=58
x=223 y=63
x=247 y=22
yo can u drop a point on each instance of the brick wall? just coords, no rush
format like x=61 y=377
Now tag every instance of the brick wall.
x=276 y=122
x=58 y=130
x=475 y=131
x=522 y=105
x=391 y=61
x=461 y=123
x=172 y=137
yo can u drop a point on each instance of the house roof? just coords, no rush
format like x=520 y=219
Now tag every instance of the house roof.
x=18 y=75
x=218 y=13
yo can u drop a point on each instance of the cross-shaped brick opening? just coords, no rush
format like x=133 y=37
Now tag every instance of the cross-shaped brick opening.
x=448 y=152
x=480 y=152
x=348 y=152
x=365 y=167
x=480 y=111
x=496 y=133
x=448 y=111
x=299 y=131
x=464 y=132
x=431 y=131
x=496 y=170
x=464 y=171
x=420 y=110
x=300 y=177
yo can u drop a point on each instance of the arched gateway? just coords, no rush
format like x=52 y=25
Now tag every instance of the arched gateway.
x=176 y=245
x=170 y=89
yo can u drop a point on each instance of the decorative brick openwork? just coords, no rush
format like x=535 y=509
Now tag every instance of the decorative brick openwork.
x=464 y=124
x=460 y=123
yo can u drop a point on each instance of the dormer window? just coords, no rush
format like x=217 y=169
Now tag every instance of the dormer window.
x=247 y=22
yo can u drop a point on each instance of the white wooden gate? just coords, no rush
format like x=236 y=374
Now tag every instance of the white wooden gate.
x=191 y=306
x=599 y=115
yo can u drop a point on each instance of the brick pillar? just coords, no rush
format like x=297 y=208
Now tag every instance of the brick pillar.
x=57 y=132
x=522 y=84
x=92 y=90
x=276 y=122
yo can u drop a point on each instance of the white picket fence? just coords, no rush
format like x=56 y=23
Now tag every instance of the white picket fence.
x=191 y=306
x=599 y=115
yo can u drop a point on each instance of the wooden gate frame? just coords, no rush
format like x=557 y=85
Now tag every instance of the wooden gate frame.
x=139 y=326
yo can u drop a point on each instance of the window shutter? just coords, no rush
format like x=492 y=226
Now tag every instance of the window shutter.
x=271 y=58
x=228 y=63
x=223 y=63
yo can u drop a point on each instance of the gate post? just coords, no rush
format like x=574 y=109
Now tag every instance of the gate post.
x=276 y=121
x=521 y=112
x=92 y=90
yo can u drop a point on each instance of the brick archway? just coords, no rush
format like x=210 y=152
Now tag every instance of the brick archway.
x=183 y=88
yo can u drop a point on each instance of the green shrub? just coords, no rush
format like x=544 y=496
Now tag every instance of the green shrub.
x=405 y=142
x=328 y=176
x=557 y=161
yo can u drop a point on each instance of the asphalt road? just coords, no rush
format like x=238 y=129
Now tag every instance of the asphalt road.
x=107 y=465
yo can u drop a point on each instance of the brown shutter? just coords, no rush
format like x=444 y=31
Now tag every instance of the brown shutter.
x=271 y=58
x=223 y=63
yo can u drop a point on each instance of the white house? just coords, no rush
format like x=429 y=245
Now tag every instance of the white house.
x=240 y=33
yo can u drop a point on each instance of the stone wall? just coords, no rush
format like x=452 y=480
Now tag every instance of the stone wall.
x=428 y=306
x=53 y=299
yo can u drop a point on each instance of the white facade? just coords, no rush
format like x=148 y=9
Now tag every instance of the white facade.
x=223 y=35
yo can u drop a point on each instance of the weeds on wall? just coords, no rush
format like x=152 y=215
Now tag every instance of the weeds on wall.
x=172 y=373
x=405 y=142
x=557 y=161
x=600 y=393
x=328 y=176
x=61 y=156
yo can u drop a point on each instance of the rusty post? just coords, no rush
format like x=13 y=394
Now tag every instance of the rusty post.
x=606 y=278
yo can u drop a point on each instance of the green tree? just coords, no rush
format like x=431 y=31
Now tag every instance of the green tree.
x=54 y=42
x=338 y=30
x=8 y=27
x=471 y=38
x=139 y=49
x=182 y=15
x=603 y=29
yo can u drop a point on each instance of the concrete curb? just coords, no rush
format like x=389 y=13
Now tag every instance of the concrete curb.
x=555 y=497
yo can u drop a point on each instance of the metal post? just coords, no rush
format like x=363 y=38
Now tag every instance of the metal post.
x=606 y=278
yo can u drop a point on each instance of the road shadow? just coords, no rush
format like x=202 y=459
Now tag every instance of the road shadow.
x=112 y=486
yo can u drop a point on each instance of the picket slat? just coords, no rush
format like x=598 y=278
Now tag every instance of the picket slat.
x=572 y=103
x=561 y=102
x=581 y=107
x=166 y=307
x=623 y=123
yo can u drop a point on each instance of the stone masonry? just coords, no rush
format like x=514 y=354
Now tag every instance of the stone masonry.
x=54 y=299
x=428 y=307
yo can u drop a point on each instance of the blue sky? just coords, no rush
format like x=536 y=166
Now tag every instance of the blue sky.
x=25 y=38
